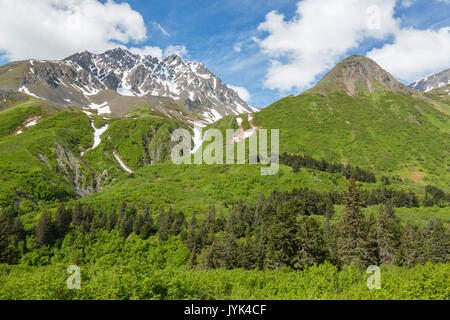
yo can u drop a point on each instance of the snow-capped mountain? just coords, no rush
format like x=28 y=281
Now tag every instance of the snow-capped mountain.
x=117 y=79
x=435 y=81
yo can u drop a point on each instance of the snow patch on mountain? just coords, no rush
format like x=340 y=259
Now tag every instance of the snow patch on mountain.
x=101 y=108
x=190 y=83
x=25 y=90
x=97 y=136
x=432 y=82
x=122 y=164
x=31 y=123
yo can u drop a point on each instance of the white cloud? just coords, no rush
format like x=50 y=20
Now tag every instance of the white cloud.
x=160 y=28
x=319 y=34
x=178 y=50
x=148 y=51
x=242 y=92
x=237 y=47
x=415 y=54
x=159 y=53
x=54 y=29
x=407 y=3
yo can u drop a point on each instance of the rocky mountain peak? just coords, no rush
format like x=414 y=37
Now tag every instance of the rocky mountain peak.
x=120 y=77
x=356 y=73
x=435 y=81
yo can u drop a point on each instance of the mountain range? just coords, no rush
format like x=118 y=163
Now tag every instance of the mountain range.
x=436 y=81
x=78 y=127
x=87 y=182
x=116 y=80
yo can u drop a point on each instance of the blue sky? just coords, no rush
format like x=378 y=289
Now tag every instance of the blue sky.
x=210 y=30
x=272 y=56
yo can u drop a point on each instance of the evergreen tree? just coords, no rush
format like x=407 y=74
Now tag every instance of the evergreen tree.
x=281 y=239
x=147 y=228
x=207 y=258
x=88 y=216
x=411 y=247
x=77 y=215
x=352 y=243
x=412 y=200
x=44 y=230
x=179 y=222
x=246 y=252
x=311 y=244
x=193 y=257
x=62 y=220
x=208 y=227
x=111 y=220
x=228 y=253
x=387 y=234
x=192 y=237
x=372 y=244
x=18 y=229
x=7 y=254
x=164 y=225
x=138 y=224
x=330 y=240
x=125 y=225
x=438 y=242
x=260 y=245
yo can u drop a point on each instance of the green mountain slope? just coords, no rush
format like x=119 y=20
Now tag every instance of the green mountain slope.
x=145 y=228
x=42 y=150
x=383 y=127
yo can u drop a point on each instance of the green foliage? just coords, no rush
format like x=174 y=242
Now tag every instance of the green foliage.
x=30 y=159
x=385 y=131
x=352 y=241
x=142 y=281
x=12 y=118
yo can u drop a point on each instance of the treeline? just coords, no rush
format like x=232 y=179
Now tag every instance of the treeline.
x=298 y=161
x=82 y=219
x=435 y=197
x=276 y=231
x=314 y=202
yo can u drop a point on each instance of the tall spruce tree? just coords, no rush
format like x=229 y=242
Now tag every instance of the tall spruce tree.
x=281 y=239
x=44 y=230
x=438 y=242
x=164 y=225
x=247 y=251
x=311 y=245
x=77 y=215
x=352 y=242
x=7 y=254
x=388 y=234
x=192 y=237
x=208 y=227
x=411 y=247
x=62 y=220
x=148 y=228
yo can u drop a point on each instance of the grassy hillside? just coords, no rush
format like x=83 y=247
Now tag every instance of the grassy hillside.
x=29 y=160
x=388 y=132
x=193 y=188
x=43 y=161
x=167 y=231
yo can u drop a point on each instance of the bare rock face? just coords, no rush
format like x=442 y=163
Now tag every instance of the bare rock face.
x=359 y=73
x=119 y=79
x=72 y=170
x=436 y=81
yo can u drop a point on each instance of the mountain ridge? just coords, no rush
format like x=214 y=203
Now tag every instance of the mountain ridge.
x=434 y=81
x=357 y=73
x=114 y=81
